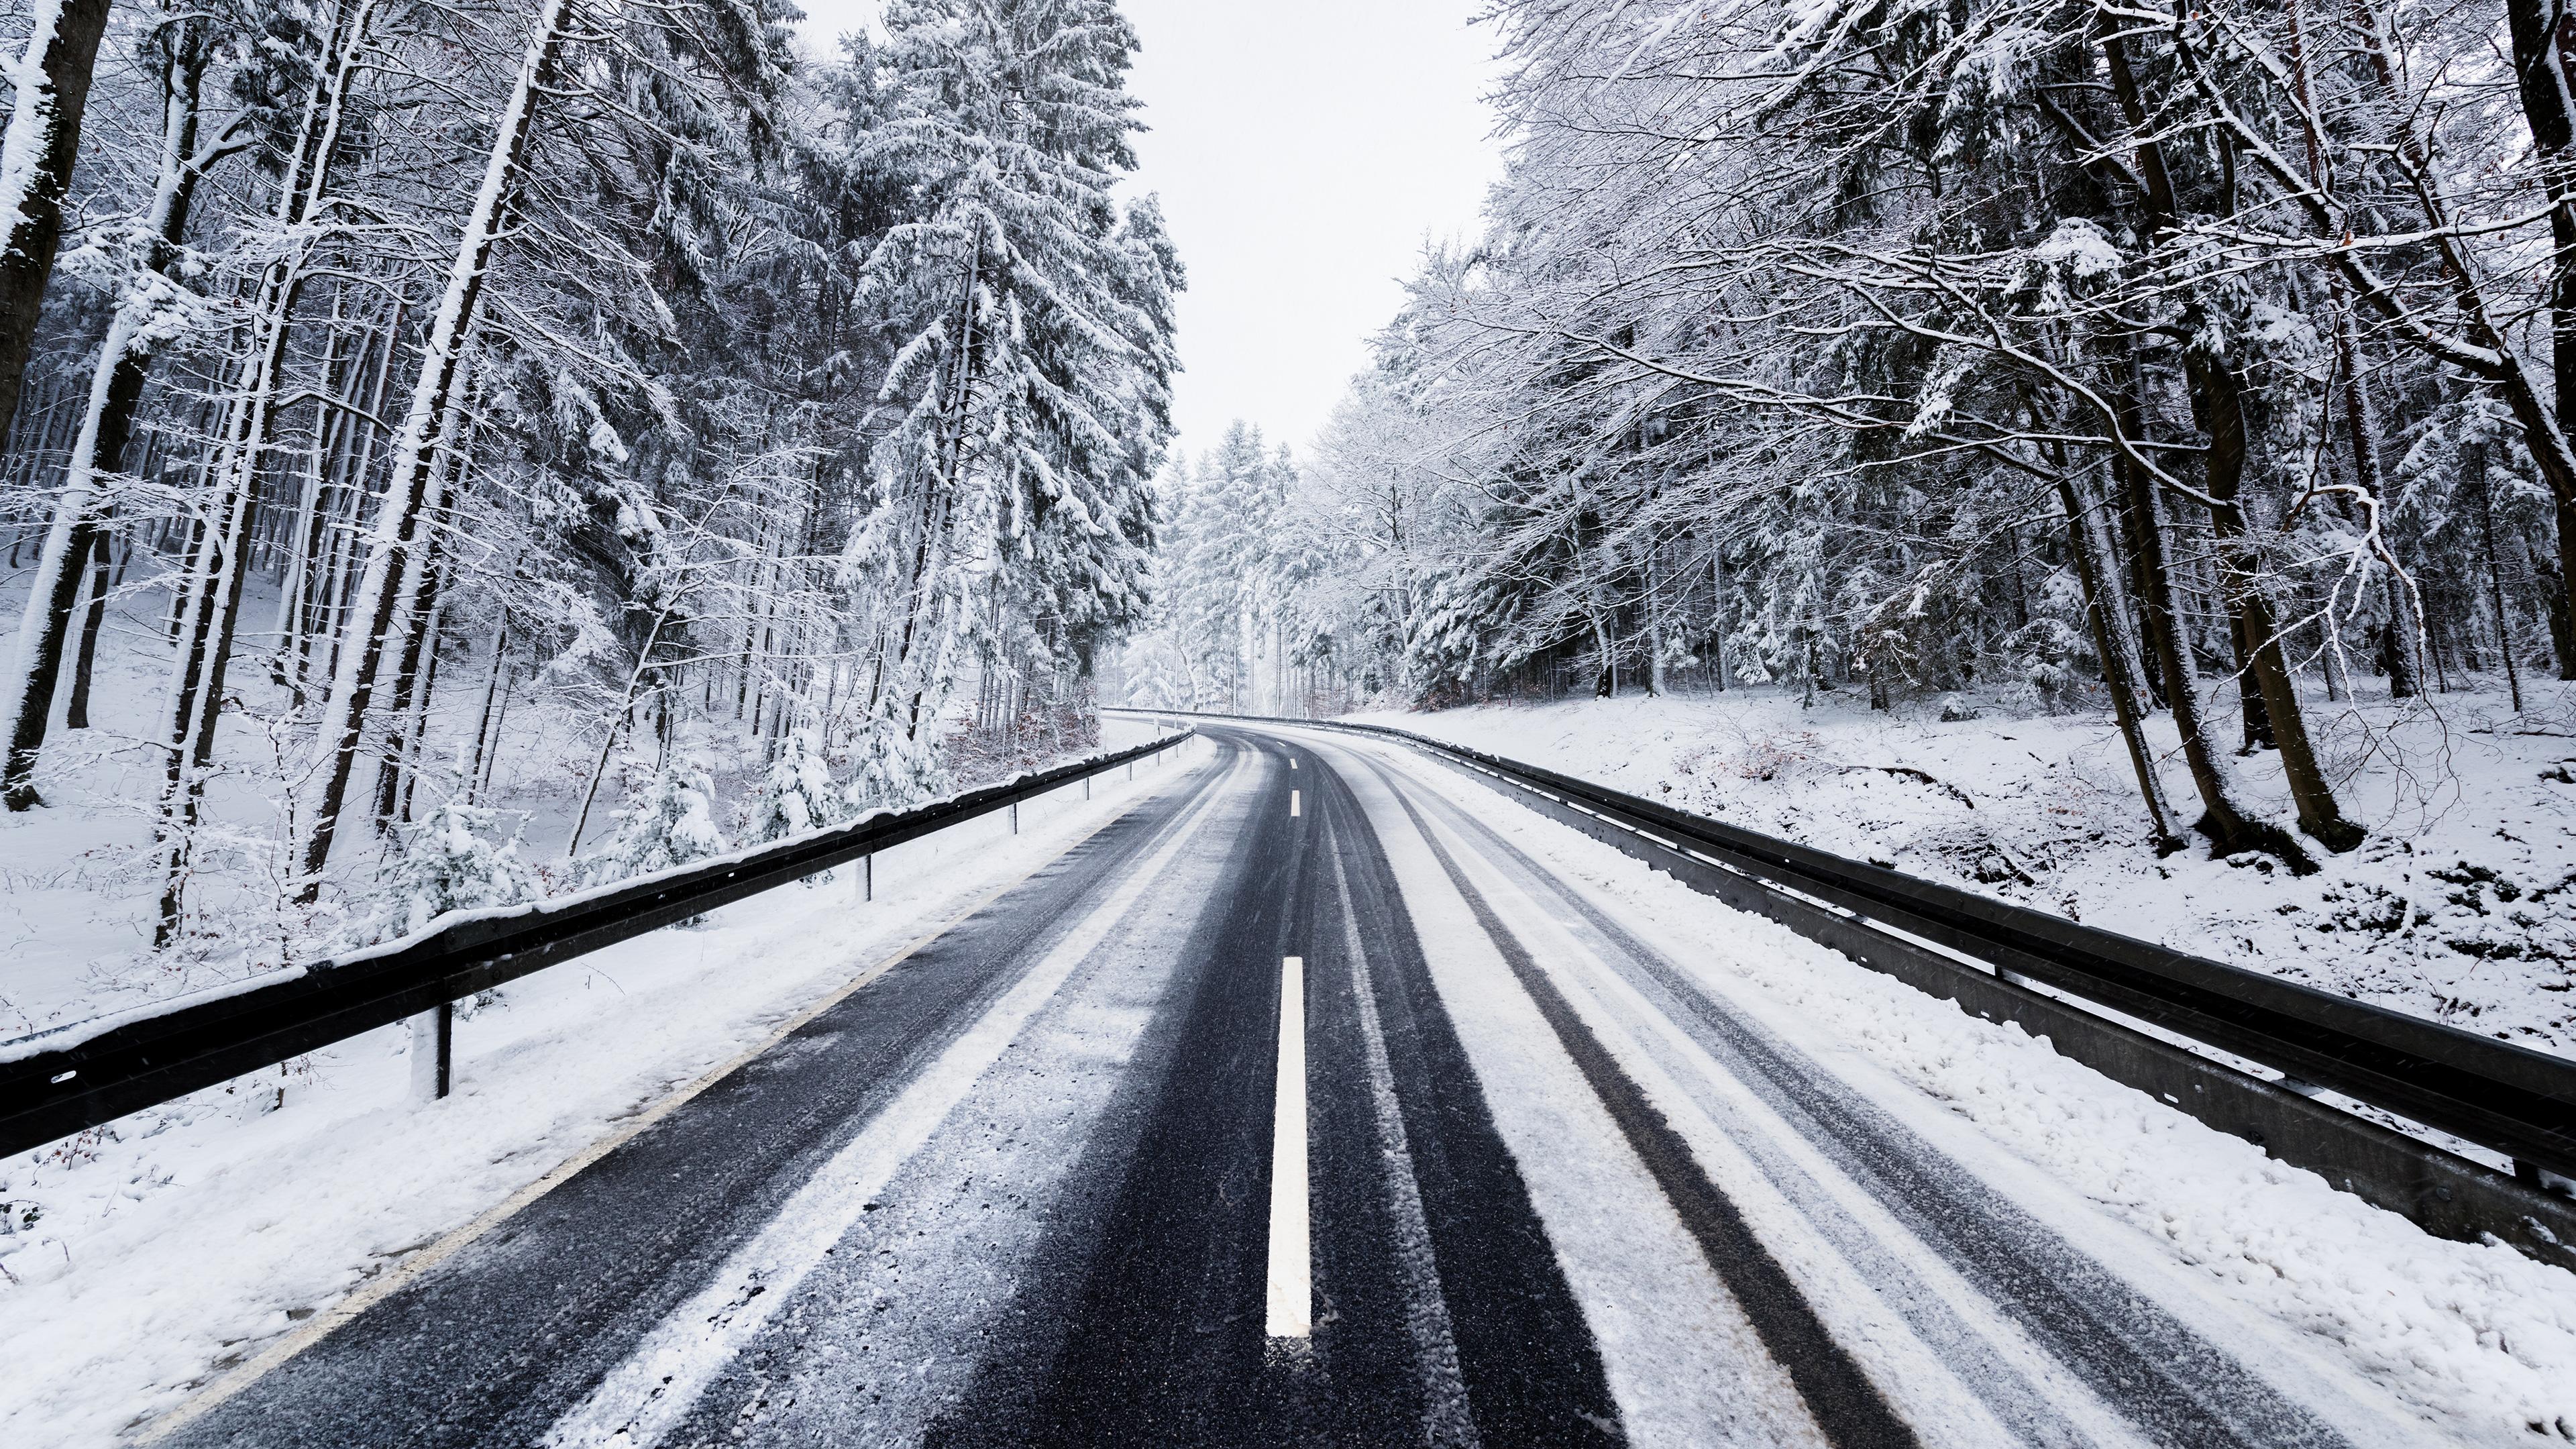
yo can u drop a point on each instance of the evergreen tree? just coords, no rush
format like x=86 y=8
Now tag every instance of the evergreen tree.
x=1009 y=505
x=450 y=861
x=795 y=795
x=669 y=822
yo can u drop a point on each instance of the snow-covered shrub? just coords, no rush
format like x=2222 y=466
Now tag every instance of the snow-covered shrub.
x=796 y=795
x=893 y=770
x=670 y=821
x=2045 y=654
x=1957 y=710
x=451 y=861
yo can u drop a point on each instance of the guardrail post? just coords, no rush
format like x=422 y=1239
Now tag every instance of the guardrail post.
x=1015 y=817
x=2532 y=1175
x=433 y=1052
x=868 y=876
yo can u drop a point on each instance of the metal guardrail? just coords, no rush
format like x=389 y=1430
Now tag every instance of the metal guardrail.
x=84 y=1074
x=2509 y=1099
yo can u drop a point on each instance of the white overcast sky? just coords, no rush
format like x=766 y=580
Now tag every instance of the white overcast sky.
x=1304 y=151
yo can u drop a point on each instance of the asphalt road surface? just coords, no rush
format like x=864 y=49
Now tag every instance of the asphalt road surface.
x=1295 y=1107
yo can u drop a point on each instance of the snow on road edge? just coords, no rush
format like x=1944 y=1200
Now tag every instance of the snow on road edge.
x=188 y=1239
x=2476 y=1340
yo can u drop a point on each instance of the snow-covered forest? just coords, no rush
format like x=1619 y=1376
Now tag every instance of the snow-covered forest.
x=2205 y=372
x=432 y=422
x=463 y=451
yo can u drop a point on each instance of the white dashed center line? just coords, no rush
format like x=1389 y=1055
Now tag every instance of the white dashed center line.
x=1292 y=1275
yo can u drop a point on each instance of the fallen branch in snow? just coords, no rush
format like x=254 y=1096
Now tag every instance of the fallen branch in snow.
x=1911 y=773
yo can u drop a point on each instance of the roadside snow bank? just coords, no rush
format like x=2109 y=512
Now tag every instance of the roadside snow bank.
x=2474 y=1342
x=2460 y=907
x=141 y=1261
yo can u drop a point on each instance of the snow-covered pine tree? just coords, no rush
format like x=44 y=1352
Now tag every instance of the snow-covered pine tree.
x=795 y=795
x=454 y=860
x=1032 y=374
x=670 y=821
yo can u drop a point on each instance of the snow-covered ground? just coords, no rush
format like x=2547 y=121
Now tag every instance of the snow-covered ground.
x=148 y=1257
x=80 y=880
x=2420 y=1338
x=2461 y=906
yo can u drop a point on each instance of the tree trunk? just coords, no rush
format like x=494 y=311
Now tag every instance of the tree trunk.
x=2230 y=824
x=2085 y=538
x=2562 y=613
x=412 y=683
x=483 y=717
x=304 y=528
x=36 y=156
x=2544 y=54
x=2474 y=482
x=2361 y=425
x=1605 y=684
x=1658 y=683
x=393 y=560
x=2330 y=652
x=98 y=450
x=2257 y=719
x=500 y=718
x=85 y=658
x=2249 y=598
x=1717 y=618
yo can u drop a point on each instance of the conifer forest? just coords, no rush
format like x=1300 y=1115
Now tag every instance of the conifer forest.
x=410 y=386
x=461 y=452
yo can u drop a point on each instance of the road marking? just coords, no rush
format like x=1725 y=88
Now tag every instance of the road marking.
x=1292 y=804
x=1446 y=1423
x=659 y=1382
x=1292 y=762
x=1292 y=1271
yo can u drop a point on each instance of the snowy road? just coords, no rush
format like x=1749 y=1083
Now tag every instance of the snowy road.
x=1511 y=1175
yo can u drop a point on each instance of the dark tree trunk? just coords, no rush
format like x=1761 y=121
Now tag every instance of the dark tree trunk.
x=2250 y=605
x=2249 y=695
x=2094 y=572
x=85 y=658
x=44 y=655
x=48 y=116
x=2215 y=398
x=2475 y=481
x=2228 y=824
x=418 y=657
x=2544 y=53
x=2562 y=624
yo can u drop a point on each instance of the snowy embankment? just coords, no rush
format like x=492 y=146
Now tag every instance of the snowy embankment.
x=150 y=1257
x=2335 y=1301
x=2460 y=907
